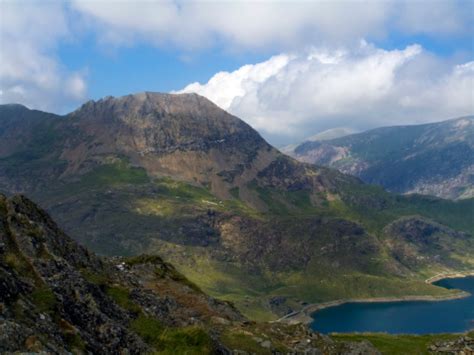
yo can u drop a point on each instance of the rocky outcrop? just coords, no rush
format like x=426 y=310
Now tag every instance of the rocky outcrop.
x=57 y=297
x=461 y=346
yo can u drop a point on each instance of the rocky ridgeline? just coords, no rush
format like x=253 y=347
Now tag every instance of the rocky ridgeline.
x=57 y=297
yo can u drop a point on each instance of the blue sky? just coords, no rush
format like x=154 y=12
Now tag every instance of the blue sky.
x=290 y=69
x=146 y=68
x=142 y=67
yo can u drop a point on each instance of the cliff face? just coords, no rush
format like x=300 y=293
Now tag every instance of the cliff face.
x=432 y=159
x=57 y=297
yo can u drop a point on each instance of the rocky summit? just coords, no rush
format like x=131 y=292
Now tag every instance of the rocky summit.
x=432 y=159
x=176 y=176
x=184 y=137
x=58 y=297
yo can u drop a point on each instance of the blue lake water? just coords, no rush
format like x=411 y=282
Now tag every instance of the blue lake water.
x=409 y=317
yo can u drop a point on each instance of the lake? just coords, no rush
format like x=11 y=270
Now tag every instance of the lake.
x=409 y=317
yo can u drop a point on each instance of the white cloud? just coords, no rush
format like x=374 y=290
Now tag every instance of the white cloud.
x=434 y=17
x=235 y=24
x=224 y=87
x=191 y=24
x=294 y=95
x=29 y=71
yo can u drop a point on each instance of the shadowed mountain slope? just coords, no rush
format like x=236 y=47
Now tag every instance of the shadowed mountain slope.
x=433 y=159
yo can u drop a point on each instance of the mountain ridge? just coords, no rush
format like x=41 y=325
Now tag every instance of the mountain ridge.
x=434 y=158
x=241 y=220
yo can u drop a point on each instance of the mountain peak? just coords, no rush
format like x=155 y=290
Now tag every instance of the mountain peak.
x=14 y=106
x=153 y=102
x=156 y=122
x=12 y=109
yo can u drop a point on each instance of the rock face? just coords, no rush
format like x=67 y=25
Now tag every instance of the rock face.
x=177 y=176
x=433 y=159
x=57 y=297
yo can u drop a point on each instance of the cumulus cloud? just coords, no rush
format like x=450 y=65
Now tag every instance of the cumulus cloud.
x=224 y=87
x=30 y=73
x=191 y=24
x=292 y=95
x=234 y=24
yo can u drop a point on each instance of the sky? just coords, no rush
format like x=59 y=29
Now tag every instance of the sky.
x=288 y=68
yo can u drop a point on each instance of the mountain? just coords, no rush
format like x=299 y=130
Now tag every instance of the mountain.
x=57 y=297
x=433 y=159
x=176 y=176
x=332 y=133
x=321 y=136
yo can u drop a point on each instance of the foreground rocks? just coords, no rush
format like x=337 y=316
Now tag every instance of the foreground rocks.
x=461 y=346
x=57 y=297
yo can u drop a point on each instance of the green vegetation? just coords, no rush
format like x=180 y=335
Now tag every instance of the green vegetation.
x=456 y=214
x=190 y=340
x=250 y=291
x=240 y=340
x=117 y=173
x=75 y=342
x=165 y=212
x=374 y=208
x=71 y=336
x=121 y=296
x=151 y=213
x=285 y=203
x=369 y=205
x=389 y=344
x=175 y=199
x=44 y=299
x=98 y=279
x=251 y=337
x=148 y=328
x=181 y=190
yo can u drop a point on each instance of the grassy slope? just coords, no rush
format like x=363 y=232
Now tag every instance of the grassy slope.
x=142 y=216
x=399 y=344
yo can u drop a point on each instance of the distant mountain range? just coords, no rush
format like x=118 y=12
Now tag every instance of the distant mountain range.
x=432 y=159
x=175 y=175
x=321 y=136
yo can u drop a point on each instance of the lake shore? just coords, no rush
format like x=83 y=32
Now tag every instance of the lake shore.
x=449 y=275
x=304 y=315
